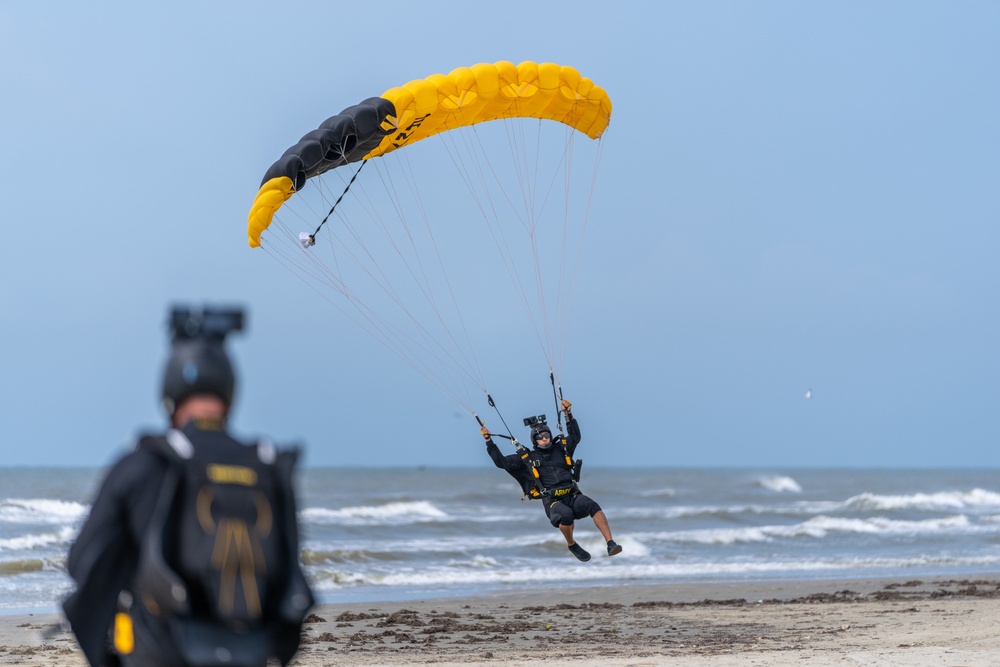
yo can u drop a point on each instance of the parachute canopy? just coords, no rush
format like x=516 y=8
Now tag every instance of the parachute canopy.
x=425 y=107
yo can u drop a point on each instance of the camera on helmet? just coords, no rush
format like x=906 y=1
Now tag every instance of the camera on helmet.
x=207 y=323
x=532 y=421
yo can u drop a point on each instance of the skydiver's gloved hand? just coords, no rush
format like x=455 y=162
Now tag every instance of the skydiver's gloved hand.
x=567 y=408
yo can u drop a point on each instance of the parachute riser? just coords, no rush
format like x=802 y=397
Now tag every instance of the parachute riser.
x=498 y=435
x=502 y=420
x=557 y=399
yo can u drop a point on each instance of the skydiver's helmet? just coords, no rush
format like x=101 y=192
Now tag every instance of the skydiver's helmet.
x=537 y=430
x=198 y=363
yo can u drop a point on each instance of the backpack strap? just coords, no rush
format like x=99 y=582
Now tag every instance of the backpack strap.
x=175 y=446
x=163 y=592
x=172 y=445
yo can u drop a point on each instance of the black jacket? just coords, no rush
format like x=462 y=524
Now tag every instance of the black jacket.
x=105 y=557
x=554 y=472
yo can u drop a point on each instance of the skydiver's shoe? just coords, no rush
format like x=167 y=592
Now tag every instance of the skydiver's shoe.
x=579 y=552
x=614 y=548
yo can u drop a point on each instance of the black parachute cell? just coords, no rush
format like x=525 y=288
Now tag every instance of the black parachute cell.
x=368 y=118
x=289 y=165
x=340 y=139
x=343 y=137
x=310 y=151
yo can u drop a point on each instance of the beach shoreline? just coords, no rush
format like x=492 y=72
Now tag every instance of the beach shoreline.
x=938 y=621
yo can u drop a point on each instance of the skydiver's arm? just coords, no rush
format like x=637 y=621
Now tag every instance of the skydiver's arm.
x=101 y=562
x=508 y=463
x=105 y=530
x=572 y=435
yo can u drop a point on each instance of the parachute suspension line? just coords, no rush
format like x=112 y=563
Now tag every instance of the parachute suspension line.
x=491 y=216
x=377 y=326
x=373 y=325
x=312 y=237
x=427 y=293
x=467 y=351
x=470 y=358
x=555 y=330
x=540 y=289
x=486 y=203
x=534 y=215
x=528 y=179
x=516 y=140
x=386 y=285
x=431 y=345
x=541 y=319
x=565 y=287
x=583 y=229
x=305 y=264
x=554 y=324
x=526 y=176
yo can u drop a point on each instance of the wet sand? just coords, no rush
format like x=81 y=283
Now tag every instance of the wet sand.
x=931 y=622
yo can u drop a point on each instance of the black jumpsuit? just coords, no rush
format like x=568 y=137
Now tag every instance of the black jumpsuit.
x=104 y=559
x=563 y=502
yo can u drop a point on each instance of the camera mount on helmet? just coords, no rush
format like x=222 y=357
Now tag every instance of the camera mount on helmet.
x=208 y=323
x=532 y=421
x=198 y=363
x=538 y=426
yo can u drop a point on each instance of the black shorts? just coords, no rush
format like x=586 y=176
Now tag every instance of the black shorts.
x=563 y=512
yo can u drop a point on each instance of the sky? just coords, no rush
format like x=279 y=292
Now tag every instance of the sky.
x=792 y=197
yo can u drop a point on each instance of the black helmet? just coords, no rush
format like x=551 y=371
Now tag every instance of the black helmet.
x=198 y=362
x=197 y=366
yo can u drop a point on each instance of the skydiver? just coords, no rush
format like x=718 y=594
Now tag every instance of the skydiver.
x=185 y=605
x=555 y=483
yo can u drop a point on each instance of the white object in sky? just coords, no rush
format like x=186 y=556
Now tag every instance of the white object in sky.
x=809 y=393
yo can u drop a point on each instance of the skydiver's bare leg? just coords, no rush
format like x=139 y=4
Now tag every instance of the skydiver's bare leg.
x=601 y=521
x=567 y=532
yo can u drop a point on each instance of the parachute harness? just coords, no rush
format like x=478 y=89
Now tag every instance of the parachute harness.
x=309 y=240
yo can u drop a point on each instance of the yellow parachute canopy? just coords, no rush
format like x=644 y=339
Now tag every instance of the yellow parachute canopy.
x=425 y=107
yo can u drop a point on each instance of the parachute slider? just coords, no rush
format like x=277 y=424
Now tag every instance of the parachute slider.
x=307 y=240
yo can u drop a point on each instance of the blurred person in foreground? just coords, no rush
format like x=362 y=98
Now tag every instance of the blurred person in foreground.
x=190 y=553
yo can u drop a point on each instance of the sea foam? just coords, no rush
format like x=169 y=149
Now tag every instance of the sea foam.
x=779 y=483
x=40 y=511
x=941 y=501
x=366 y=515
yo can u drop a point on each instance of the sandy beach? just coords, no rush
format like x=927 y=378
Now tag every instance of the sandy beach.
x=932 y=622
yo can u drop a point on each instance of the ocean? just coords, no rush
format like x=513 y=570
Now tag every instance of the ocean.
x=397 y=534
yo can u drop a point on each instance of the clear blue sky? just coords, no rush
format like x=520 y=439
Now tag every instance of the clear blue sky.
x=792 y=196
